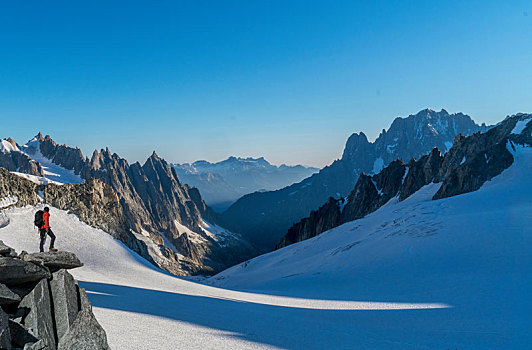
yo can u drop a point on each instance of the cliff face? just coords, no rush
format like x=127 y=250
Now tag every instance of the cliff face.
x=265 y=217
x=12 y=185
x=470 y=162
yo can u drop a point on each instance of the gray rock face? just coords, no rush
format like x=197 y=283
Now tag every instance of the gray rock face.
x=84 y=301
x=19 y=335
x=265 y=217
x=39 y=320
x=14 y=271
x=422 y=172
x=94 y=202
x=470 y=162
x=53 y=260
x=84 y=334
x=7 y=296
x=65 y=297
x=5 y=335
x=39 y=345
x=23 y=189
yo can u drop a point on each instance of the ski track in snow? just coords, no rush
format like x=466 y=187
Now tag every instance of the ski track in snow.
x=419 y=274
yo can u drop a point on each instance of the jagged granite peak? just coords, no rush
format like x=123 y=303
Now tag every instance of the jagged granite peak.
x=265 y=217
x=320 y=220
x=470 y=162
x=421 y=172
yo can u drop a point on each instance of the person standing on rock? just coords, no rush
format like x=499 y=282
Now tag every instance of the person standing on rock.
x=45 y=230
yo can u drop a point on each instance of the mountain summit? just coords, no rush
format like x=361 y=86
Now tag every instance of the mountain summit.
x=265 y=217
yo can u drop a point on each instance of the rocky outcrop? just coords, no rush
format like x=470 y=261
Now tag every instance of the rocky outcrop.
x=470 y=162
x=52 y=312
x=94 y=202
x=54 y=262
x=68 y=157
x=12 y=185
x=265 y=217
x=421 y=172
x=16 y=271
x=321 y=220
x=84 y=333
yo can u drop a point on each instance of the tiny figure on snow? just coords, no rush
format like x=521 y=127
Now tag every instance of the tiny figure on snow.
x=42 y=221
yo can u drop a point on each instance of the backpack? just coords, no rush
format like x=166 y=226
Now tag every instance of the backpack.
x=39 y=222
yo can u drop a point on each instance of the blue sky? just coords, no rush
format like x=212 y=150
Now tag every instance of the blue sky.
x=287 y=80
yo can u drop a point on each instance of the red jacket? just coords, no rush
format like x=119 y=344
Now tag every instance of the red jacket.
x=46 y=219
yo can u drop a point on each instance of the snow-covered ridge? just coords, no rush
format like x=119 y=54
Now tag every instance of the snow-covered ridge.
x=53 y=173
x=522 y=124
x=7 y=147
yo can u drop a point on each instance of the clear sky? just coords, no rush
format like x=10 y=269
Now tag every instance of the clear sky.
x=287 y=80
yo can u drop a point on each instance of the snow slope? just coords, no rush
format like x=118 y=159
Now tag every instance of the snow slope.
x=420 y=274
x=53 y=173
x=142 y=307
x=472 y=252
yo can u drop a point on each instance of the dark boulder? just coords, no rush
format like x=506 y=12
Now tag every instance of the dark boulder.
x=7 y=296
x=20 y=335
x=15 y=271
x=53 y=260
x=4 y=249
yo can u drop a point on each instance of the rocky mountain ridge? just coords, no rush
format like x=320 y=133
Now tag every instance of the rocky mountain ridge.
x=156 y=215
x=265 y=217
x=470 y=162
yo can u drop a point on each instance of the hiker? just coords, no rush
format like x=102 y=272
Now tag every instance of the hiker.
x=42 y=221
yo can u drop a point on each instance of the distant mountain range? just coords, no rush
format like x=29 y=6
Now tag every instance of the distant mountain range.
x=264 y=218
x=222 y=183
